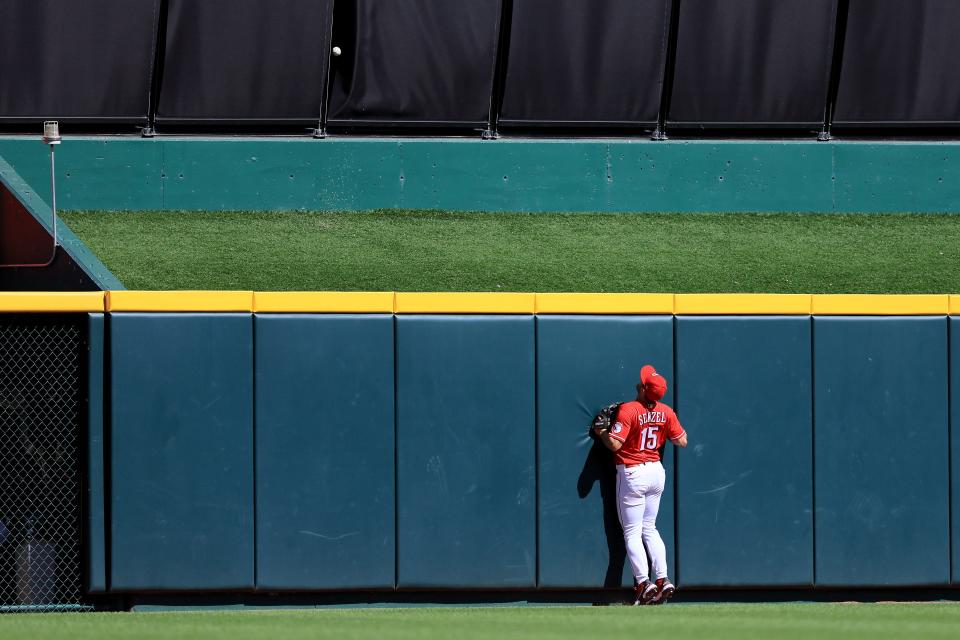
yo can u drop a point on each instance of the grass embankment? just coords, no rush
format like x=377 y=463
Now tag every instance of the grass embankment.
x=436 y=251
x=676 y=622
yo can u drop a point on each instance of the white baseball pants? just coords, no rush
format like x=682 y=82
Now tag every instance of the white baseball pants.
x=638 y=500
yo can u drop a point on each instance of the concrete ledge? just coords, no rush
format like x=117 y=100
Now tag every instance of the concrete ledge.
x=298 y=173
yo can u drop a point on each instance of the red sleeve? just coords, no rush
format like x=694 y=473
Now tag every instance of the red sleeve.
x=674 y=430
x=620 y=428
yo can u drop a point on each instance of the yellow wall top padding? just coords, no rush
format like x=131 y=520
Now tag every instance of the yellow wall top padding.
x=880 y=305
x=465 y=303
x=51 y=302
x=323 y=302
x=177 y=301
x=605 y=303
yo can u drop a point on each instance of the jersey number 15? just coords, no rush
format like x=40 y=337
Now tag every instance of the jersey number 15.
x=648 y=438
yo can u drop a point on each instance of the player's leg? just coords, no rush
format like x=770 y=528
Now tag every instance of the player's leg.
x=631 y=505
x=651 y=537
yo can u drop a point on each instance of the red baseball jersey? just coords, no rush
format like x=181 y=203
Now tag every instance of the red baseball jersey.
x=643 y=431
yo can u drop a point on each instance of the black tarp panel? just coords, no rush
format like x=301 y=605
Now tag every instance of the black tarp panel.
x=752 y=62
x=900 y=63
x=581 y=63
x=245 y=61
x=413 y=62
x=88 y=61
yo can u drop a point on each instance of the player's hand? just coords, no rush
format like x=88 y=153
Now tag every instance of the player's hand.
x=600 y=430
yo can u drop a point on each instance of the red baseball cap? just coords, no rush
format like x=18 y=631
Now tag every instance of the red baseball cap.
x=655 y=385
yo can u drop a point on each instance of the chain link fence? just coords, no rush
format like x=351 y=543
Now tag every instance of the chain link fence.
x=41 y=368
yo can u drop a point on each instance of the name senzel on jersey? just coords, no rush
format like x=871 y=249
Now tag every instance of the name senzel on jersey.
x=658 y=417
x=651 y=416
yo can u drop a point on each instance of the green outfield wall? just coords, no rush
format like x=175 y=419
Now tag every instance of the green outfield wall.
x=246 y=442
x=275 y=173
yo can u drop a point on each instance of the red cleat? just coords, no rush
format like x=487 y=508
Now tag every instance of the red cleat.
x=665 y=590
x=645 y=592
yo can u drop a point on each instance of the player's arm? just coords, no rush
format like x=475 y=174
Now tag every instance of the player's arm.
x=614 y=437
x=675 y=432
x=608 y=441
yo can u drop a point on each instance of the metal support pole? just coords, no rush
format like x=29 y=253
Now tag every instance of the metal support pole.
x=836 y=65
x=51 y=136
x=669 y=67
x=53 y=195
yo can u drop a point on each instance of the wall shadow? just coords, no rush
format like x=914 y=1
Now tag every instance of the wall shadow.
x=598 y=468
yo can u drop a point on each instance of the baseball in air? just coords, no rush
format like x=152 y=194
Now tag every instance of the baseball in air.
x=337 y=51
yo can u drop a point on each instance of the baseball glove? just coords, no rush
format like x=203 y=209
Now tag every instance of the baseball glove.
x=605 y=418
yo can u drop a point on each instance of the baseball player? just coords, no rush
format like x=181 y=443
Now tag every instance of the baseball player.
x=637 y=438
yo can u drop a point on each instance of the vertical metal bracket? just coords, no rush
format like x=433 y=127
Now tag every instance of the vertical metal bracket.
x=499 y=70
x=836 y=65
x=669 y=66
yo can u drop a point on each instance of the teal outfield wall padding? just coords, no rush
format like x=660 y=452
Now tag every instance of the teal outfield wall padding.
x=745 y=490
x=95 y=540
x=181 y=439
x=325 y=451
x=510 y=174
x=466 y=479
x=955 y=448
x=583 y=364
x=320 y=452
x=881 y=454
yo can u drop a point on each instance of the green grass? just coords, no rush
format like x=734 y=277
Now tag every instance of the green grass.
x=674 y=622
x=435 y=251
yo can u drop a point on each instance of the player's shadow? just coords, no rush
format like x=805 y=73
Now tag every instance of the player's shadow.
x=599 y=469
